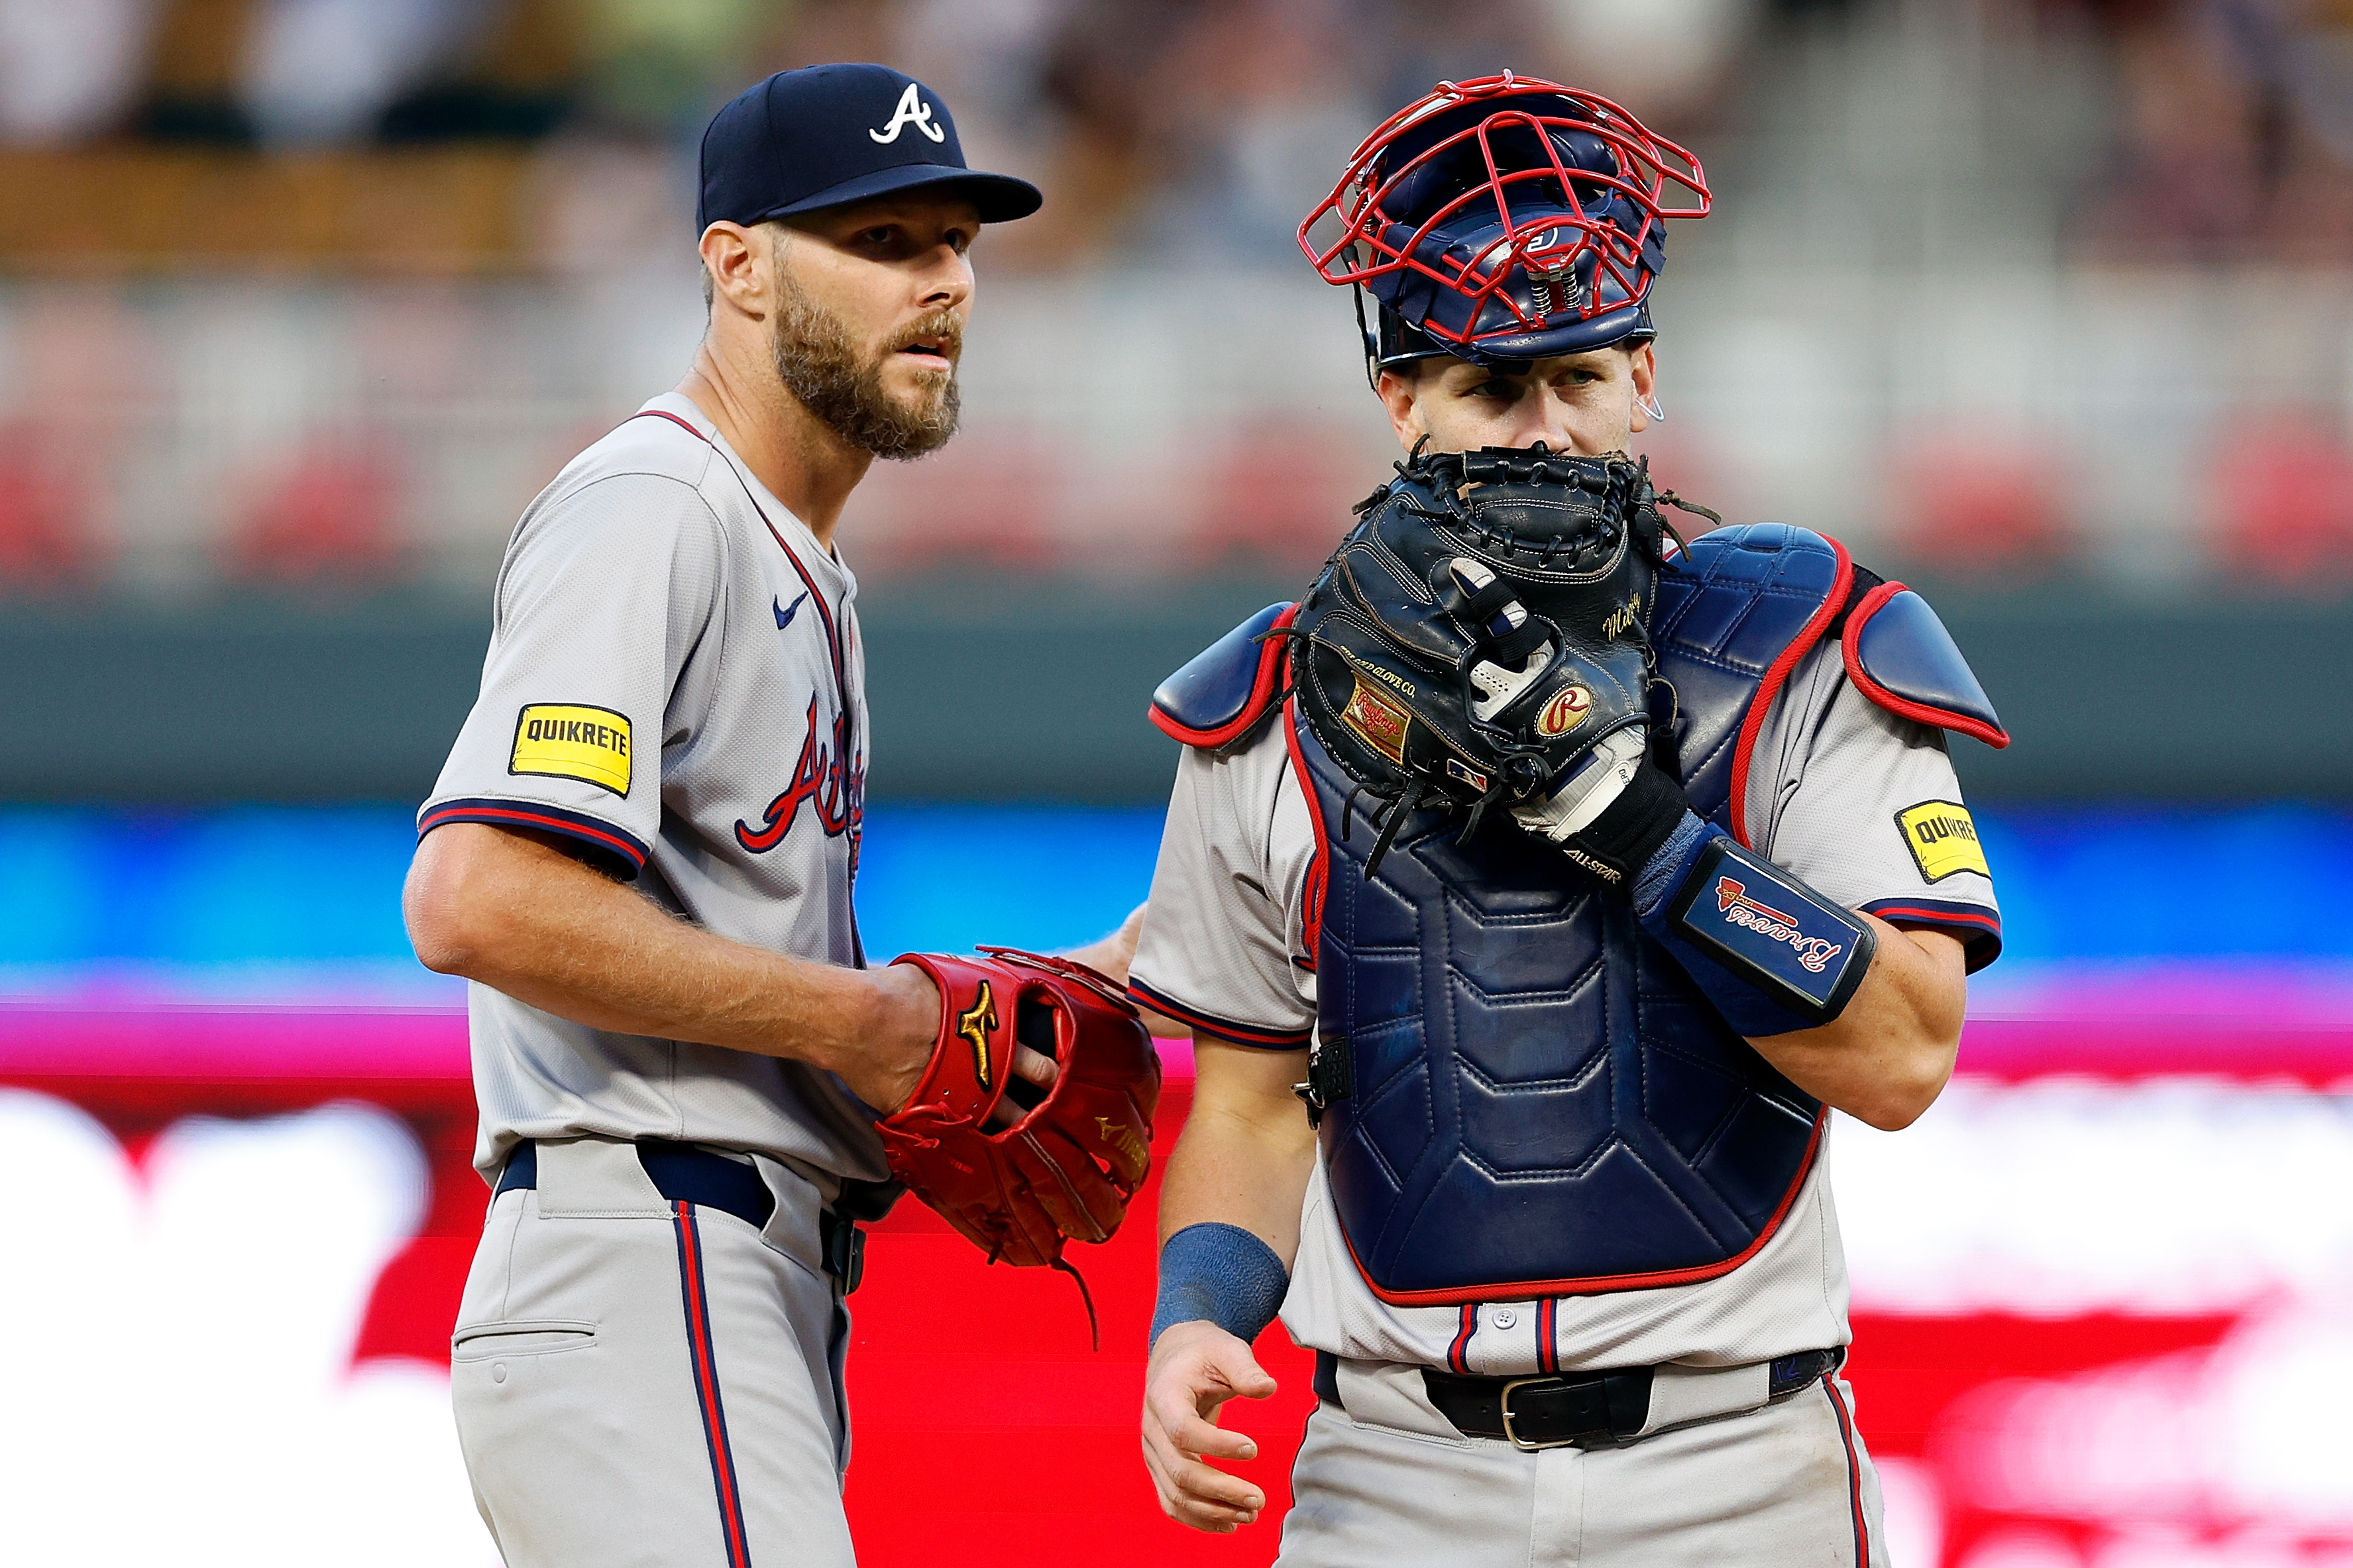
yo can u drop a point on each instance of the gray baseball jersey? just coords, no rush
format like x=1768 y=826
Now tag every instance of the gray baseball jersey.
x=1860 y=804
x=675 y=688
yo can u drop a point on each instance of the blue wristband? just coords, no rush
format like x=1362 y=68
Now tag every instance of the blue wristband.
x=1671 y=862
x=1773 y=955
x=1221 y=1273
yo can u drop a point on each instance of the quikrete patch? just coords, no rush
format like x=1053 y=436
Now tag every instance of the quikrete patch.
x=1943 y=838
x=573 y=741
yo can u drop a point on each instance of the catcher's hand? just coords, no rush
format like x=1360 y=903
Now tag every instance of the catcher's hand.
x=1482 y=634
x=1613 y=811
x=1021 y=1158
x=1195 y=1369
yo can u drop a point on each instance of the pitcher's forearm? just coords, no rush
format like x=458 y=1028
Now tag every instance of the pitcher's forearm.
x=528 y=920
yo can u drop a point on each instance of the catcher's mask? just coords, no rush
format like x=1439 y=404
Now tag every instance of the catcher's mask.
x=1504 y=220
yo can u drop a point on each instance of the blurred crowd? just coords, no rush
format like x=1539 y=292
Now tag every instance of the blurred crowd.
x=2234 y=130
x=1204 y=125
x=415 y=252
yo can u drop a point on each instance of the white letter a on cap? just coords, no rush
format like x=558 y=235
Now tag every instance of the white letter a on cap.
x=912 y=111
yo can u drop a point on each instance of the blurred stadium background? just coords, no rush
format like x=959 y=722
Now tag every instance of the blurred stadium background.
x=2046 y=305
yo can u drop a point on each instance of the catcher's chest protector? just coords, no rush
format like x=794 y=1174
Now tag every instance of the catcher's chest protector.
x=1539 y=1102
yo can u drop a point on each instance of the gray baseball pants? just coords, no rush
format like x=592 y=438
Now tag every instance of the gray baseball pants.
x=640 y=1383
x=1784 y=1484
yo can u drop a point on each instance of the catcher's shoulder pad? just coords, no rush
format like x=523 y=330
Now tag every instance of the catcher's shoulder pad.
x=1741 y=596
x=1225 y=690
x=1899 y=655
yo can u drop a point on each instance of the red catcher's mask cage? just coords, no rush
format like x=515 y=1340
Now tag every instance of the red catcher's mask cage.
x=1599 y=224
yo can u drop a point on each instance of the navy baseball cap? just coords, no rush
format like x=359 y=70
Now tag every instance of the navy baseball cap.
x=824 y=136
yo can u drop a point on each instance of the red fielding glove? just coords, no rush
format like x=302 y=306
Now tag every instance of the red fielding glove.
x=1018 y=1168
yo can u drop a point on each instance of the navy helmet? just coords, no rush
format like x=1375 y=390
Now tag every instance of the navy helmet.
x=1504 y=220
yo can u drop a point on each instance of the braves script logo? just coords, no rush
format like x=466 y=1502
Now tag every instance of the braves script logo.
x=1738 y=909
x=976 y=1023
x=912 y=111
x=826 y=778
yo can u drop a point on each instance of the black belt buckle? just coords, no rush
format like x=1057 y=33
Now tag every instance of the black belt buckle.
x=1619 y=1406
x=1512 y=1433
x=1596 y=1410
x=845 y=1249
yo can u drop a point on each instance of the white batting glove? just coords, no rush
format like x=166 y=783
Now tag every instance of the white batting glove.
x=1588 y=790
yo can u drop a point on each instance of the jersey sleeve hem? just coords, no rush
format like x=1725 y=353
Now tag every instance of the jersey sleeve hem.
x=1259 y=1035
x=618 y=847
x=1979 y=927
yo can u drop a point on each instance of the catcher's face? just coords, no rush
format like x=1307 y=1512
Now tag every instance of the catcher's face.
x=1588 y=404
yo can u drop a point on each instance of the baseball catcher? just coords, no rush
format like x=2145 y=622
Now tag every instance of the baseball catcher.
x=1570 y=873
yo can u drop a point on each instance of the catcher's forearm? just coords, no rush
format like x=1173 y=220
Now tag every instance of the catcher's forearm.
x=1229 y=1207
x=1887 y=1058
x=1247 y=1150
x=1859 y=1014
x=526 y=919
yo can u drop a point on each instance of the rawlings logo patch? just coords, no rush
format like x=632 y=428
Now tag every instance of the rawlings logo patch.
x=1943 y=838
x=976 y=1023
x=1566 y=712
x=1732 y=902
x=573 y=741
x=1377 y=721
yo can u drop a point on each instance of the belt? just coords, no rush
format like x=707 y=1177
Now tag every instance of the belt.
x=690 y=1173
x=1605 y=1409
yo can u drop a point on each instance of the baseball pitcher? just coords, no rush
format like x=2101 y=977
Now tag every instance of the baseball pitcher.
x=641 y=853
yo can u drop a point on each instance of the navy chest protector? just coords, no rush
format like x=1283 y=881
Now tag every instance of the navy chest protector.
x=1524 y=1095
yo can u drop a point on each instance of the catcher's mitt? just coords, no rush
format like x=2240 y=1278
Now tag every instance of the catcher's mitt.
x=1016 y=1167
x=1481 y=637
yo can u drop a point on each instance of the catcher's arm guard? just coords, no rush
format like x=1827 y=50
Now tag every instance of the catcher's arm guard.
x=1016 y=1168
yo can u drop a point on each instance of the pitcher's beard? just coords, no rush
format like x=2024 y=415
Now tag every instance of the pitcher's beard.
x=818 y=364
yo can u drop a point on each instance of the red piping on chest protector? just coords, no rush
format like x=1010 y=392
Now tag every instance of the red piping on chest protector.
x=1600 y=1284
x=1319 y=869
x=1776 y=675
x=1904 y=707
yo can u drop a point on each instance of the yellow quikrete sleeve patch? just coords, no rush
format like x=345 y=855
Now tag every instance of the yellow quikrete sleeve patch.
x=573 y=741
x=1943 y=838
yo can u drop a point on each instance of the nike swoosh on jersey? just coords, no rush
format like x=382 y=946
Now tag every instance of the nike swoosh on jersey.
x=784 y=613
